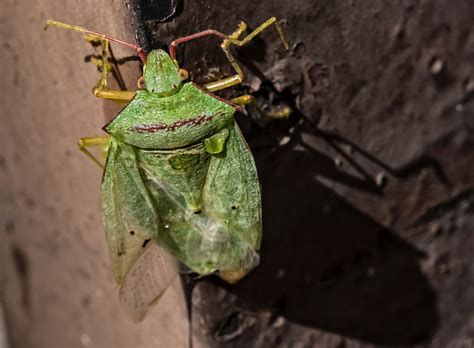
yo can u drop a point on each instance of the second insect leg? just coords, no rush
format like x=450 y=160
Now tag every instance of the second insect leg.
x=101 y=142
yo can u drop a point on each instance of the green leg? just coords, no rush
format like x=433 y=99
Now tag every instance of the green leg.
x=228 y=40
x=102 y=142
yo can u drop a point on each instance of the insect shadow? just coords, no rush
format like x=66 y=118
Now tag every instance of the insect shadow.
x=115 y=64
x=325 y=264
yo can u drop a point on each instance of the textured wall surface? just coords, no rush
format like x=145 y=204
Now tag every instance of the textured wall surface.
x=368 y=188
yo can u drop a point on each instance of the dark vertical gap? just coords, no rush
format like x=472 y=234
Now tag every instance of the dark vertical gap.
x=142 y=36
x=188 y=285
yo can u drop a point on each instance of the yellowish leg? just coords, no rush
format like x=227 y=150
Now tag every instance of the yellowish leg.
x=237 y=78
x=284 y=112
x=102 y=142
x=274 y=114
x=233 y=39
x=243 y=99
x=101 y=90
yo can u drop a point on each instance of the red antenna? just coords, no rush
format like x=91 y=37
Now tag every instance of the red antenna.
x=137 y=48
x=172 y=47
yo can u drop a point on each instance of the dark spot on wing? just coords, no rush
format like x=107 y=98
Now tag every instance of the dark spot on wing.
x=233 y=207
x=132 y=233
x=197 y=212
x=145 y=242
x=121 y=250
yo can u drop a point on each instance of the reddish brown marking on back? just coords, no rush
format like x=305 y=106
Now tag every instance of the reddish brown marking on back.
x=152 y=128
x=148 y=128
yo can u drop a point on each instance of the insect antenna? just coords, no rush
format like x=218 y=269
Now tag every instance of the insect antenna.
x=102 y=36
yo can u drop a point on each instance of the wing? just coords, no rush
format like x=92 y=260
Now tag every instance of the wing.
x=225 y=235
x=132 y=225
x=232 y=194
x=147 y=280
x=131 y=221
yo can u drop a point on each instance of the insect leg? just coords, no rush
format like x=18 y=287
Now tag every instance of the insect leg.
x=243 y=99
x=232 y=39
x=274 y=114
x=239 y=77
x=102 y=142
x=101 y=89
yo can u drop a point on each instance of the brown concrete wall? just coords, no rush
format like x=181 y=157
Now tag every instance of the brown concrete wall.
x=56 y=282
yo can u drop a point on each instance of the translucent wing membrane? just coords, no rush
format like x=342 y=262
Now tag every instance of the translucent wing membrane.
x=147 y=280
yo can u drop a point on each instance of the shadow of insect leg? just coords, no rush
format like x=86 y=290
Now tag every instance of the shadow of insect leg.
x=101 y=89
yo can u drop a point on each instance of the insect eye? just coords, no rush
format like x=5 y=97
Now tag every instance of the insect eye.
x=141 y=83
x=183 y=74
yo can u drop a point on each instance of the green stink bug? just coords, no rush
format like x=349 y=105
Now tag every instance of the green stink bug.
x=178 y=175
